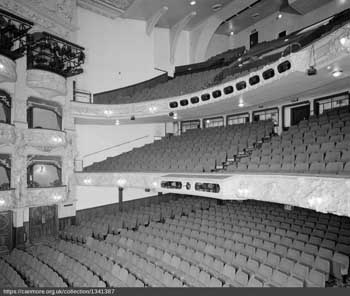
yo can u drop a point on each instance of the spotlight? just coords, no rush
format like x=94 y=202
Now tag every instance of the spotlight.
x=279 y=16
x=337 y=73
x=231 y=33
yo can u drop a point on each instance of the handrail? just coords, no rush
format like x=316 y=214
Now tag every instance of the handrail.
x=114 y=146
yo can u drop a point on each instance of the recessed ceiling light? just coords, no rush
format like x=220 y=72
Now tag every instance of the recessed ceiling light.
x=193 y=3
x=337 y=73
x=231 y=33
x=280 y=15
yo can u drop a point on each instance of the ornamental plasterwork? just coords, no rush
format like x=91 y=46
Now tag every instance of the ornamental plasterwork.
x=48 y=84
x=45 y=140
x=7 y=70
x=7 y=134
x=44 y=196
x=59 y=22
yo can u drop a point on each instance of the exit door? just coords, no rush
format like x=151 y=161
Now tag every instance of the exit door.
x=298 y=114
x=42 y=223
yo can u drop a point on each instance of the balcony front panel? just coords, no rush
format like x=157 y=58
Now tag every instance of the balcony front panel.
x=44 y=196
x=45 y=140
x=46 y=83
x=321 y=193
x=7 y=200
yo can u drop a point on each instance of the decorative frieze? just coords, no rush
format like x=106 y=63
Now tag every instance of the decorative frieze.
x=48 y=84
x=7 y=70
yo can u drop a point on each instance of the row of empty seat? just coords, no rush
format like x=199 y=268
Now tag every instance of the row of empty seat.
x=234 y=244
x=195 y=150
x=318 y=145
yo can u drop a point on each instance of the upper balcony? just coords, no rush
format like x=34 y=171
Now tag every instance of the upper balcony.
x=50 y=60
x=266 y=72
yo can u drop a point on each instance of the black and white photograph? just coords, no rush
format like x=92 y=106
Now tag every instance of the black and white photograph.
x=174 y=144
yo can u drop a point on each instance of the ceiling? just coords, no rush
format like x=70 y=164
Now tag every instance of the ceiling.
x=177 y=10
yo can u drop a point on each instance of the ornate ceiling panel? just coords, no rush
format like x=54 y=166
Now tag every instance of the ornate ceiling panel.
x=109 y=8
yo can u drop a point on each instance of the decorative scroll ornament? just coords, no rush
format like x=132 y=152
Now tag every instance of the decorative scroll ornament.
x=7 y=70
x=48 y=84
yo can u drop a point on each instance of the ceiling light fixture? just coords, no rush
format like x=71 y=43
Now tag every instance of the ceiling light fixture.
x=231 y=33
x=337 y=73
x=1 y=66
x=241 y=102
x=117 y=122
x=193 y=3
x=279 y=16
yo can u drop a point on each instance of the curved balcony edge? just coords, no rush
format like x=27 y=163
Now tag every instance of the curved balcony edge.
x=7 y=69
x=44 y=139
x=325 y=194
x=47 y=84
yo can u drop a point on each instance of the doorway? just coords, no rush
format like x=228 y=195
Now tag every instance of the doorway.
x=299 y=113
x=5 y=231
x=42 y=223
x=254 y=39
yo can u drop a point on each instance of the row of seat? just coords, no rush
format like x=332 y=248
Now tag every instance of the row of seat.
x=9 y=277
x=35 y=273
